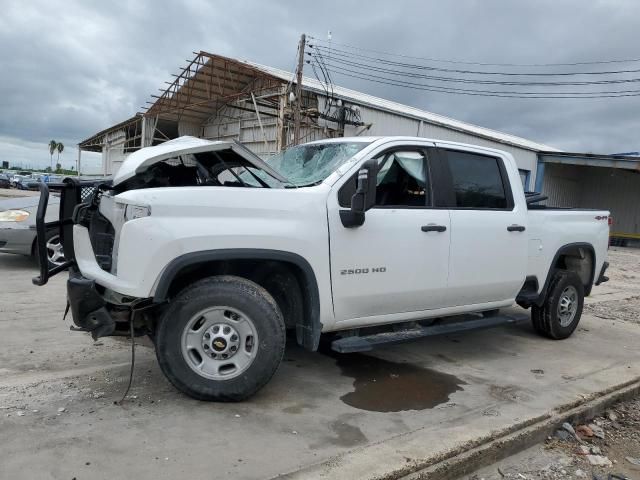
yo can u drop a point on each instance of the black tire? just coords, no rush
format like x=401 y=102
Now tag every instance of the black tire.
x=233 y=292
x=283 y=286
x=546 y=319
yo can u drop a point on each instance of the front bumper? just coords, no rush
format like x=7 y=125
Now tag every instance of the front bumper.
x=88 y=307
x=73 y=192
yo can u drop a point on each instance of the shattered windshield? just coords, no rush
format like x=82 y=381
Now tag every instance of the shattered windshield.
x=310 y=164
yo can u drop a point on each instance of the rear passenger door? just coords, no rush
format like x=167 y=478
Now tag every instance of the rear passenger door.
x=488 y=255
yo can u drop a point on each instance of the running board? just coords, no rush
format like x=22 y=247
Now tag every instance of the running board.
x=368 y=342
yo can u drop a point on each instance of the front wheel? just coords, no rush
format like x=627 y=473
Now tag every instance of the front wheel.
x=560 y=313
x=221 y=339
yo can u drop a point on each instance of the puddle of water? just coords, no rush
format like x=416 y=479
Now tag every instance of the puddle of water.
x=385 y=386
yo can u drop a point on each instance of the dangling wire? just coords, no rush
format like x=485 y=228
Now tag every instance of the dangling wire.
x=133 y=357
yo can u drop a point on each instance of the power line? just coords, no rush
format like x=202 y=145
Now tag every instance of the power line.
x=486 y=93
x=471 y=81
x=461 y=62
x=346 y=54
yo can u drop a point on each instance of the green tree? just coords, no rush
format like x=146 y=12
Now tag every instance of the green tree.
x=58 y=168
x=60 y=148
x=53 y=146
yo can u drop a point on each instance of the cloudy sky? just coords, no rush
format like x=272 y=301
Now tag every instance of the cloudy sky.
x=70 y=69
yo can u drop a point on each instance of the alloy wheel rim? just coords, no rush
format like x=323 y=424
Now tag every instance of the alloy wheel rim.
x=55 y=253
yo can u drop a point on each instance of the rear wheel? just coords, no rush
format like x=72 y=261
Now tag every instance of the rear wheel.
x=220 y=339
x=560 y=314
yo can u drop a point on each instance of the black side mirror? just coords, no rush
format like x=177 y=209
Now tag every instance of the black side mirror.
x=365 y=196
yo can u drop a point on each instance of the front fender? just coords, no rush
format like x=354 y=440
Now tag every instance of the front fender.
x=307 y=330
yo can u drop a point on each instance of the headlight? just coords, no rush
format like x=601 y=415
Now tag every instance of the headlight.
x=131 y=212
x=13 y=216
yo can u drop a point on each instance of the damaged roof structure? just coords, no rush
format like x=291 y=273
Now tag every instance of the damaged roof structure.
x=221 y=98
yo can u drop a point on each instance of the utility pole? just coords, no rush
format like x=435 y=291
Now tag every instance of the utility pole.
x=297 y=112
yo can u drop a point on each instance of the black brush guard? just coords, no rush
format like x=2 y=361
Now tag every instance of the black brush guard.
x=73 y=192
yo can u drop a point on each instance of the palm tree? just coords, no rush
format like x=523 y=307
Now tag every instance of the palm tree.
x=60 y=148
x=53 y=145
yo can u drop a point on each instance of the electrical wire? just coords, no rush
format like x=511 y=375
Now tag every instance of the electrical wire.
x=342 y=53
x=133 y=358
x=462 y=62
x=486 y=93
x=402 y=73
x=404 y=82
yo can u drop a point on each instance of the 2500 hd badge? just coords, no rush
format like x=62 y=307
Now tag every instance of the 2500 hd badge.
x=359 y=271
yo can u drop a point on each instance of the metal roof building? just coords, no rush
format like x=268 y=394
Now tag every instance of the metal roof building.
x=585 y=180
x=221 y=98
x=216 y=97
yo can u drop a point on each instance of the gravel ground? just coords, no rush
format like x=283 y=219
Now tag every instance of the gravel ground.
x=563 y=456
x=624 y=278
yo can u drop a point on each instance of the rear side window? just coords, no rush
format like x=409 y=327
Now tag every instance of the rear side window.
x=477 y=180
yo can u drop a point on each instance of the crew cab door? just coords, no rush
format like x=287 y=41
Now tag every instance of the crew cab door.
x=397 y=261
x=488 y=258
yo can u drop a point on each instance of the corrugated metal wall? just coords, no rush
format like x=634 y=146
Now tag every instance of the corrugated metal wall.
x=562 y=184
x=386 y=123
x=242 y=125
x=612 y=189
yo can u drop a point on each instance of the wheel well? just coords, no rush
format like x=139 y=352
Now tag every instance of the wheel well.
x=34 y=244
x=577 y=259
x=244 y=268
x=190 y=268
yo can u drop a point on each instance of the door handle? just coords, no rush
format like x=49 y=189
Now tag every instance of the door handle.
x=432 y=227
x=516 y=228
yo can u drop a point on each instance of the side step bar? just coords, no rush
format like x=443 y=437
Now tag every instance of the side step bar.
x=366 y=343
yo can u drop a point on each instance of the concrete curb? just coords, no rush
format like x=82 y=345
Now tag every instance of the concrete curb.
x=518 y=437
x=466 y=458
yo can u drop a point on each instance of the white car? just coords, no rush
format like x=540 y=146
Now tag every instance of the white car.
x=214 y=252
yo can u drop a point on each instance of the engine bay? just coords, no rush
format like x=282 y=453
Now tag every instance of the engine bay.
x=223 y=168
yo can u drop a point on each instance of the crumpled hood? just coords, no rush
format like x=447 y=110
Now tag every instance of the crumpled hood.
x=139 y=161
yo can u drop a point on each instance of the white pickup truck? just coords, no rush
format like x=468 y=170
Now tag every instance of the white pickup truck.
x=215 y=253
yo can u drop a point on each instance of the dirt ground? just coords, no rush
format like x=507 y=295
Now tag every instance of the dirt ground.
x=565 y=457
x=624 y=274
x=13 y=193
x=321 y=417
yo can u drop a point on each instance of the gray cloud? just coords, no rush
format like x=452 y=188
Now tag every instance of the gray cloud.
x=73 y=68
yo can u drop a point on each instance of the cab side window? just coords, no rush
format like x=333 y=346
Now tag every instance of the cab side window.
x=478 y=181
x=402 y=181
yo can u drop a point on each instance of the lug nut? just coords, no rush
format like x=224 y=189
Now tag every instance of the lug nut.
x=206 y=347
x=226 y=330
x=234 y=338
